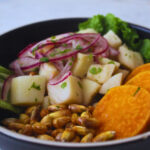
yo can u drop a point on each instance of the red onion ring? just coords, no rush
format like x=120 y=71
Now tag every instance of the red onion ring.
x=6 y=87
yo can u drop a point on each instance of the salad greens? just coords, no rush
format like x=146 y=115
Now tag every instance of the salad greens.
x=128 y=35
x=7 y=106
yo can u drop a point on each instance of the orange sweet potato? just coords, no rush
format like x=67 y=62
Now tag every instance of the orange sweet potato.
x=142 y=68
x=124 y=109
x=141 y=79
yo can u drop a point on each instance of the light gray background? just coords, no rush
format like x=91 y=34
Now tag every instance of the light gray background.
x=15 y=13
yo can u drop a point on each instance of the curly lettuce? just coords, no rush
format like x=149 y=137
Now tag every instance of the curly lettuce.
x=103 y=24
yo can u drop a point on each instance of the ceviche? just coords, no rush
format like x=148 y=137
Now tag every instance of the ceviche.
x=92 y=85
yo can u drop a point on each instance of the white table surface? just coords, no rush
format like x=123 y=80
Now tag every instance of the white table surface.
x=15 y=13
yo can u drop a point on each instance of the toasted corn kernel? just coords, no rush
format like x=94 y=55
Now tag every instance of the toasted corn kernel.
x=82 y=130
x=91 y=109
x=67 y=135
x=61 y=121
x=47 y=120
x=75 y=108
x=7 y=121
x=35 y=114
x=86 y=114
x=56 y=131
x=56 y=107
x=60 y=113
x=105 y=136
x=88 y=122
x=45 y=137
x=15 y=126
x=74 y=118
x=44 y=112
x=39 y=128
x=29 y=110
x=24 y=118
x=87 y=138
x=69 y=125
x=76 y=139
x=27 y=130
x=58 y=137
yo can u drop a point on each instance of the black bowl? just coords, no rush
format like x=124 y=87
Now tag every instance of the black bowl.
x=11 y=43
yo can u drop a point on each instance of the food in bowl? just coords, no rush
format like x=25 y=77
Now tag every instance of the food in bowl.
x=54 y=83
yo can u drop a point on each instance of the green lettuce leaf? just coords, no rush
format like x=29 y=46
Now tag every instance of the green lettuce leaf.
x=96 y=23
x=103 y=24
x=145 y=50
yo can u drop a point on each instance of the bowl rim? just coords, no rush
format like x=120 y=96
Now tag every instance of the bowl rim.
x=29 y=139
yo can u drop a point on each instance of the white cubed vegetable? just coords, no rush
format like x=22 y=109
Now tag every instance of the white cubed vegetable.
x=82 y=64
x=114 y=81
x=129 y=58
x=88 y=30
x=113 y=39
x=104 y=61
x=124 y=73
x=67 y=92
x=28 y=90
x=100 y=73
x=46 y=102
x=90 y=89
x=48 y=70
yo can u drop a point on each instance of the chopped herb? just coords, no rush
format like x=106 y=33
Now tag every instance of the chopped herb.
x=80 y=85
x=44 y=59
x=90 y=56
x=137 y=90
x=57 y=106
x=34 y=49
x=78 y=47
x=95 y=70
x=52 y=54
x=111 y=62
x=65 y=45
x=53 y=37
x=34 y=86
x=126 y=54
x=101 y=58
x=99 y=70
x=63 y=85
x=36 y=100
x=70 y=64
x=54 y=41
x=65 y=51
x=73 y=58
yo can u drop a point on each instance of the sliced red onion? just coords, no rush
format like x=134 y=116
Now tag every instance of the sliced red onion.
x=101 y=46
x=72 y=53
x=16 y=68
x=113 y=52
x=59 y=65
x=6 y=87
x=25 y=51
x=64 y=74
x=28 y=64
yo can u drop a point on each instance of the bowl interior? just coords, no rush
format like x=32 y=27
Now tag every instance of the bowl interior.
x=14 y=41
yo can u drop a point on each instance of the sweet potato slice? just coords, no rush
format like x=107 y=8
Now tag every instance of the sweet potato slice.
x=124 y=109
x=141 y=79
x=142 y=68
